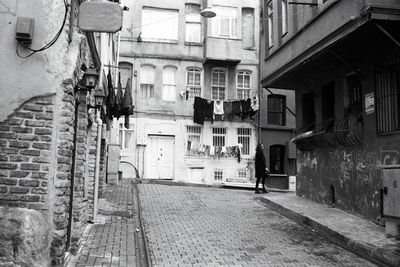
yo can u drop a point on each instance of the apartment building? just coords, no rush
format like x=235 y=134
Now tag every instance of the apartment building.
x=341 y=57
x=172 y=55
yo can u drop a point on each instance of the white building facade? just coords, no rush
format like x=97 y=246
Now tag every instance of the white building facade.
x=172 y=55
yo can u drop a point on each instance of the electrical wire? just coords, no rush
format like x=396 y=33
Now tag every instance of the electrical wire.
x=49 y=44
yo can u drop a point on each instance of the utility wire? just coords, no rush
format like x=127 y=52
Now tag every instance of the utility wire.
x=48 y=45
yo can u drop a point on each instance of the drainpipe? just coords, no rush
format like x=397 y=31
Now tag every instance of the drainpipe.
x=97 y=168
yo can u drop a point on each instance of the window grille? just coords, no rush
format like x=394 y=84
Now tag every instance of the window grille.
x=387 y=92
x=218 y=174
x=242 y=173
x=219 y=136
x=244 y=139
x=218 y=84
x=243 y=84
x=193 y=82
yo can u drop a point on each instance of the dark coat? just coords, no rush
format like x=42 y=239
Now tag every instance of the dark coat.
x=260 y=164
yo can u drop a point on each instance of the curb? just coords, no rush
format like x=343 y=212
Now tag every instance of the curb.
x=370 y=252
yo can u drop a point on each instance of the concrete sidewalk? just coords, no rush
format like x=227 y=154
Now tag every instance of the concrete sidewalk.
x=354 y=233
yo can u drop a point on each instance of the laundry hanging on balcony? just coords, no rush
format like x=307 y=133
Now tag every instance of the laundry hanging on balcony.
x=223 y=110
x=119 y=99
x=194 y=148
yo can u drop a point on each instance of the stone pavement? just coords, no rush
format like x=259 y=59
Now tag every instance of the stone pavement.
x=352 y=232
x=195 y=226
x=113 y=239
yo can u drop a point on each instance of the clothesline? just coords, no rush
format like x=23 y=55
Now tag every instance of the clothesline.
x=221 y=110
x=194 y=147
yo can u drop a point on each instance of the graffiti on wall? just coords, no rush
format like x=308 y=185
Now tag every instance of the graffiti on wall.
x=390 y=157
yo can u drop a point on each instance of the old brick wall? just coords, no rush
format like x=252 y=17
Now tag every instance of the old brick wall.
x=25 y=160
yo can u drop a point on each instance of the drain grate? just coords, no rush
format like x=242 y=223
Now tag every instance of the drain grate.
x=119 y=213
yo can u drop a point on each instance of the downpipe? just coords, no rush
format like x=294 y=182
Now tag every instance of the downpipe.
x=97 y=168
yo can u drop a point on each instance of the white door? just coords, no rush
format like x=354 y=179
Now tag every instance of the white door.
x=160 y=157
x=197 y=176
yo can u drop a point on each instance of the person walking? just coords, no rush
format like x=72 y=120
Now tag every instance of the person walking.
x=261 y=169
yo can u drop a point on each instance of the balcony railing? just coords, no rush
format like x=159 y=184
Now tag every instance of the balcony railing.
x=346 y=131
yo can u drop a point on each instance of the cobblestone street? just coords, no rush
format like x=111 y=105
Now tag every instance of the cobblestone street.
x=192 y=226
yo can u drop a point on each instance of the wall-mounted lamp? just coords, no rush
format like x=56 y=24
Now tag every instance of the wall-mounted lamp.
x=99 y=97
x=139 y=38
x=90 y=78
x=208 y=12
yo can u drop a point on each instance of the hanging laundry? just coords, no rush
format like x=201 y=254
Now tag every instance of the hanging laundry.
x=254 y=107
x=212 y=151
x=127 y=106
x=239 y=146
x=237 y=108
x=119 y=99
x=228 y=110
x=224 y=151
x=188 y=146
x=246 y=108
x=199 y=110
x=209 y=110
x=110 y=100
x=218 y=109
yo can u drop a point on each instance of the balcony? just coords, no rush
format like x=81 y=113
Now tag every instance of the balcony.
x=346 y=131
x=222 y=51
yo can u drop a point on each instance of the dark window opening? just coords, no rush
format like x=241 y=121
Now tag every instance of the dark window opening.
x=328 y=104
x=277 y=159
x=276 y=110
x=308 y=111
x=353 y=103
x=333 y=195
x=387 y=86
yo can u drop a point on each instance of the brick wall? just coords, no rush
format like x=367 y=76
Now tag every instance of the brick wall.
x=25 y=143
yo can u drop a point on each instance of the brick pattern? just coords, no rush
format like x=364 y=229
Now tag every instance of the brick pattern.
x=25 y=143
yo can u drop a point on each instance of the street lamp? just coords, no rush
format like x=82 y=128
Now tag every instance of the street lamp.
x=208 y=13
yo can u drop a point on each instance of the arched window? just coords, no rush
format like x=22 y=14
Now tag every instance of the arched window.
x=193 y=82
x=218 y=83
x=243 y=84
x=277 y=159
x=169 y=84
x=147 y=77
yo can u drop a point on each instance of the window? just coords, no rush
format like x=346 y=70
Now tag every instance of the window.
x=244 y=139
x=126 y=72
x=193 y=135
x=147 y=77
x=308 y=111
x=126 y=136
x=276 y=159
x=387 y=93
x=219 y=136
x=276 y=110
x=193 y=25
x=242 y=173
x=218 y=174
x=193 y=82
x=243 y=84
x=353 y=98
x=159 y=24
x=218 y=84
x=284 y=6
x=225 y=23
x=248 y=27
x=328 y=105
x=270 y=19
x=169 y=86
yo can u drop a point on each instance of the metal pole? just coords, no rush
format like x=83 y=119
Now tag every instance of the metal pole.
x=97 y=168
